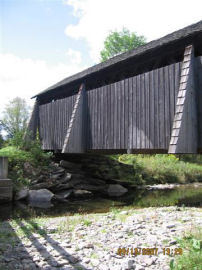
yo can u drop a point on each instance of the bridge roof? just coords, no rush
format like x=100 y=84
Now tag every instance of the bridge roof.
x=185 y=35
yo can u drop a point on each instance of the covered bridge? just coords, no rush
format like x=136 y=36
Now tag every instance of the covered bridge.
x=147 y=100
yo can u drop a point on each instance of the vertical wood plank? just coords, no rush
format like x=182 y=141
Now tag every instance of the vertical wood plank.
x=147 y=110
x=134 y=111
x=139 y=124
x=112 y=112
x=121 y=109
x=126 y=113
x=130 y=112
x=115 y=116
x=167 y=107
x=142 y=112
x=102 y=112
x=161 y=108
x=151 y=110
x=156 y=109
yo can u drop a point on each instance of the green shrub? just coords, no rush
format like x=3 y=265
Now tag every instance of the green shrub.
x=192 y=252
x=154 y=169
x=15 y=155
x=18 y=157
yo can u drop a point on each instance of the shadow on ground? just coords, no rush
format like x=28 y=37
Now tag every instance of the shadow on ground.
x=24 y=245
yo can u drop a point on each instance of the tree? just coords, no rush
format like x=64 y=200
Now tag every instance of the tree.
x=15 y=119
x=1 y=137
x=119 y=42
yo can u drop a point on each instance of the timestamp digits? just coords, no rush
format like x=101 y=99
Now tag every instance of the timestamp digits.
x=149 y=251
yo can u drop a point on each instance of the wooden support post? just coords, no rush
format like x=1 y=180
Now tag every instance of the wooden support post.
x=184 y=132
x=75 y=139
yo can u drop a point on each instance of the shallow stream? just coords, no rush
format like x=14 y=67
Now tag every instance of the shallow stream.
x=183 y=195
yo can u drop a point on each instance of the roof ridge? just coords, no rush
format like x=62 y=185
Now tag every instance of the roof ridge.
x=169 y=38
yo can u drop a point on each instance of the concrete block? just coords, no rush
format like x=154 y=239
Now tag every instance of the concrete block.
x=3 y=167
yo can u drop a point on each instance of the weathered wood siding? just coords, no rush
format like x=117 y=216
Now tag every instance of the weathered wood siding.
x=198 y=71
x=135 y=113
x=54 y=121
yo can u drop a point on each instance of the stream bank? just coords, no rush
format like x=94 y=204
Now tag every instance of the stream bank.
x=91 y=241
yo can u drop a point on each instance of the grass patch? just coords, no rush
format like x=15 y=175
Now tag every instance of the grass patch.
x=87 y=222
x=94 y=255
x=119 y=214
x=192 y=252
x=165 y=168
x=28 y=227
x=70 y=223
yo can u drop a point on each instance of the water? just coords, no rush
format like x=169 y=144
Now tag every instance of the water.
x=184 y=195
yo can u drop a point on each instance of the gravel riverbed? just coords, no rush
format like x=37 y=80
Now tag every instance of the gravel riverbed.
x=91 y=241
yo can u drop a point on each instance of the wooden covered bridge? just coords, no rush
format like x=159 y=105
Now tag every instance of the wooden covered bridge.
x=148 y=100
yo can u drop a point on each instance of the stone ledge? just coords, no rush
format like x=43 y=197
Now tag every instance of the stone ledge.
x=6 y=190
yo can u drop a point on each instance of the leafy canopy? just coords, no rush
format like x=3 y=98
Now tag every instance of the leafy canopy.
x=119 y=42
x=15 y=117
x=14 y=121
x=1 y=137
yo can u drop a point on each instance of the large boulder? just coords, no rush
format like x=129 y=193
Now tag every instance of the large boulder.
x=70 y=165
x=78 y=193
x=116 y=190
x=63 y=195
x=43 y=185
x=68 y=185
x=22 y=194
x=57 y=174
x=66 y=178
x=41 y=195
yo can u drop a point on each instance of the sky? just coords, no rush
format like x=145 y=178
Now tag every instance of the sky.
x=44 y=41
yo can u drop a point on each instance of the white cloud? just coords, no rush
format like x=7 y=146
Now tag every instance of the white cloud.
x=74 y=57
x=152 y=19
x=26 y=77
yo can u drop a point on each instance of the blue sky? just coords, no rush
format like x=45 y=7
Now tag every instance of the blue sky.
x=44 y=41
x=36 y=28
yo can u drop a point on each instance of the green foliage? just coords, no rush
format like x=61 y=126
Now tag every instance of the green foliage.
x=71 y=222
x=192 y=252
x=196 y=244
x=17 y=140
x=172 y=264
x=159 y=169
x=17 y=158
x=119 y=42
x=35 y=155
x=21 y=151
x=1 y=137
x=15 y=118
x=14 y=154
x=87 y=222
x=191 y=158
